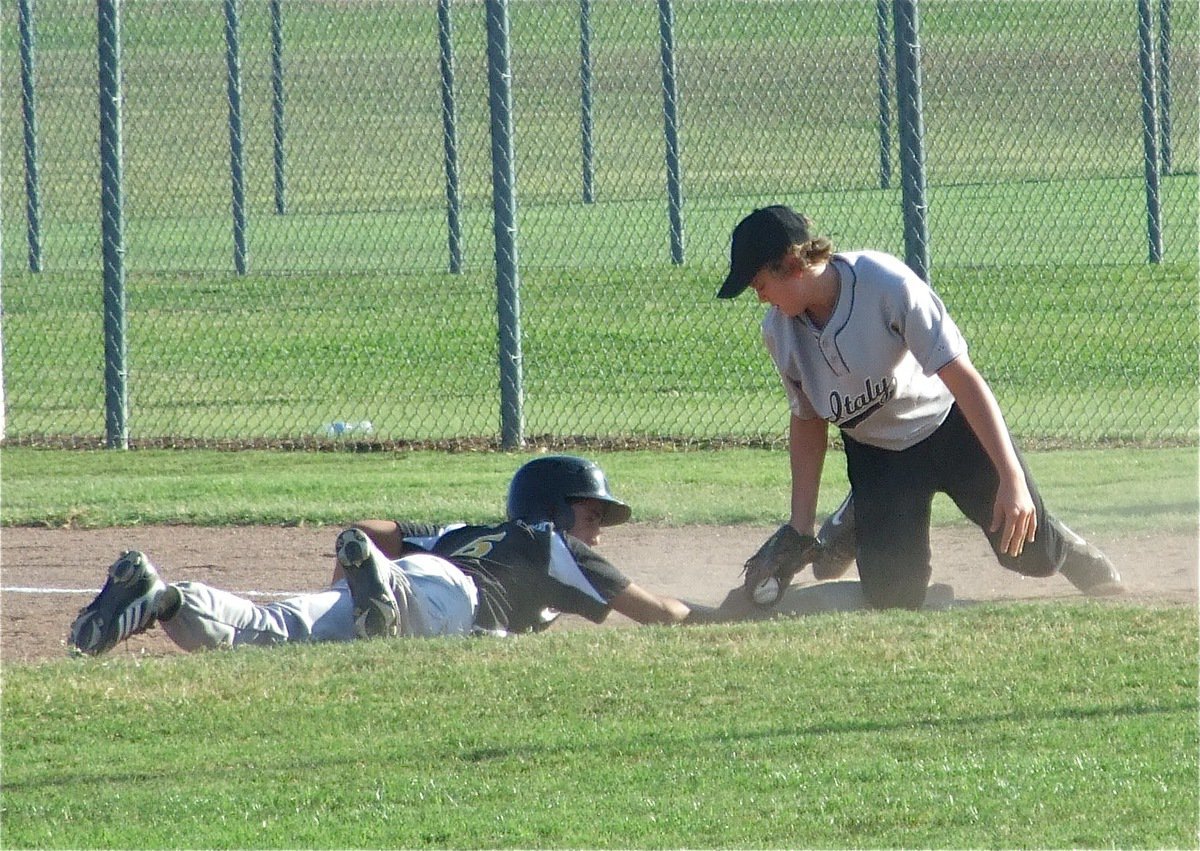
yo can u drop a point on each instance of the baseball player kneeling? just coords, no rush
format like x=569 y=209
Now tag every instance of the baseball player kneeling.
x=862 y=342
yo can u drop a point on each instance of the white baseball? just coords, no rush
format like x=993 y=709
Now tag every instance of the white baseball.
x=767 y=591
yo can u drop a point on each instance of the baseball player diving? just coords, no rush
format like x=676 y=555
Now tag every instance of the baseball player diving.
x=407 y=579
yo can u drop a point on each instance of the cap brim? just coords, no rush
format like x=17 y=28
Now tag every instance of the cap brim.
x=734 y=286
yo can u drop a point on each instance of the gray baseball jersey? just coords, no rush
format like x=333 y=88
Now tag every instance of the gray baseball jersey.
x=880 y=388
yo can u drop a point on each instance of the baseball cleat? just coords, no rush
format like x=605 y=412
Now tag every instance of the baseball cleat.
x=836 y=535
x=375 y=611
x=1087 y=568
x=1091 y=572
x=125 y=606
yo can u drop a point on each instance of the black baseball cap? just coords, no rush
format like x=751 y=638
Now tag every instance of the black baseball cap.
x=761 y=238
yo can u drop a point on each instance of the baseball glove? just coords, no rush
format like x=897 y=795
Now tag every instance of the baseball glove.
x=769 y=570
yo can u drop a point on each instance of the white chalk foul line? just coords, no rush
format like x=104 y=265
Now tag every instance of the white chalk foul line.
x=24 y=589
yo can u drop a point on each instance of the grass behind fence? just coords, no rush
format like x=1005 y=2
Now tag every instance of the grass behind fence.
x=1045 y=269
x=229 y=357
x=364 y=116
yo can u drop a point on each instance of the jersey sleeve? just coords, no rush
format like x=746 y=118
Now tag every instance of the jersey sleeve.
x=582 y=581
x=927 y=328
x=417 y=537
x=601 y=574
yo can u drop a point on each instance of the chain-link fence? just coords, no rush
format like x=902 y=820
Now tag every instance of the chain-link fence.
x=310 y=248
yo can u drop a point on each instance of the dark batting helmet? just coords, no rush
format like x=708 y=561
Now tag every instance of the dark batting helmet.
x=544 y=488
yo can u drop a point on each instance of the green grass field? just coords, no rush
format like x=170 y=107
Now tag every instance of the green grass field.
x=999 y=726
x=991 y=726
x=994 y=726
x=1119 y=490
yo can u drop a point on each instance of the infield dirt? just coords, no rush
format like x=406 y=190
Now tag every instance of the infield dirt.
x=48 y=574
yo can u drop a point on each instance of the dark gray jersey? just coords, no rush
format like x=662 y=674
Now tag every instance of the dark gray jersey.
x=521 y=569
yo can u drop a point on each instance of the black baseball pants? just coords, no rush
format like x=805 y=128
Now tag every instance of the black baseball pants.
x=893 y=495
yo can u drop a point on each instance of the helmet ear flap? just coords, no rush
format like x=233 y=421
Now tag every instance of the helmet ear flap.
x=564 y=516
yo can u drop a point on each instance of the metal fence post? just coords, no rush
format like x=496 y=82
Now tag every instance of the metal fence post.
x=885 y=95
x=666 y=32
x=1153 y=166
x=278 y=97
x=237 y=172
x=33 y=197
x=912 y=137
x=112 y=224
x=585 y=100
x=3 y=406
x=504 y=211
x=1164 y=81
x=450 y=136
